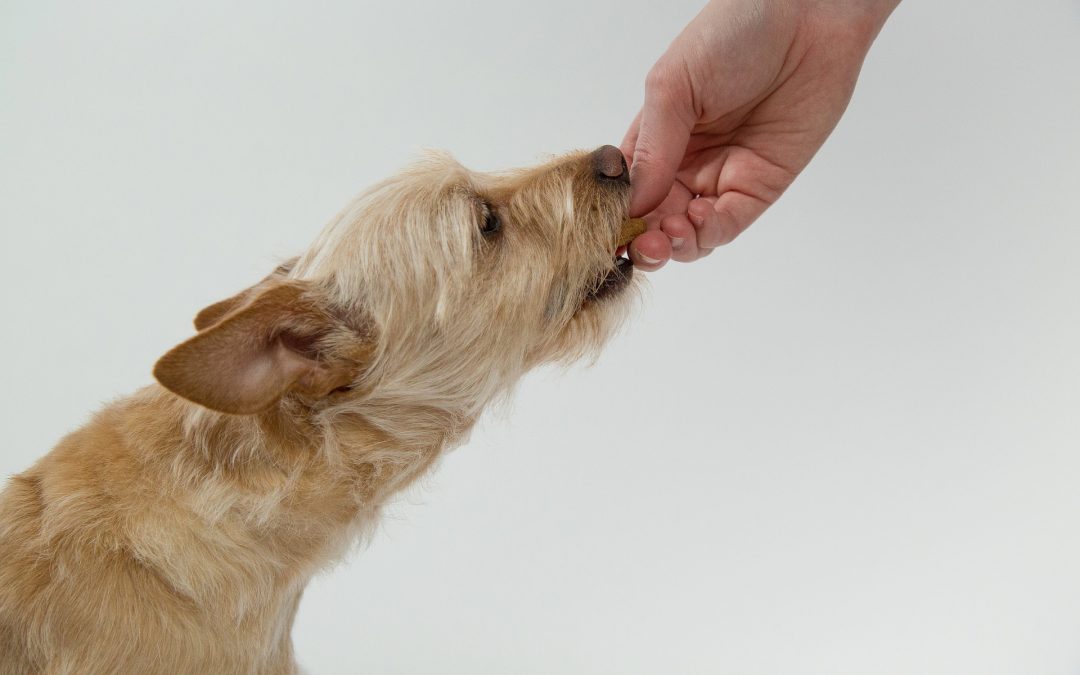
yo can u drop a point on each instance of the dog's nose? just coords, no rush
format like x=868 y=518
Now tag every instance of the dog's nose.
x=610 y=164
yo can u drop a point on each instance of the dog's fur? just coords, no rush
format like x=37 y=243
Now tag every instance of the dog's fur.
x=175 y=532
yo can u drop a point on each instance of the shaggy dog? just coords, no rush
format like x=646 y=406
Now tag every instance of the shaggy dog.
x=175 y=532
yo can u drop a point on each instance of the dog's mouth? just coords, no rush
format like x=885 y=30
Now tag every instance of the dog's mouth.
x=618 y=277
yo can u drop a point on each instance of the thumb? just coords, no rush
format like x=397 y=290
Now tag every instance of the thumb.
x=666 y=122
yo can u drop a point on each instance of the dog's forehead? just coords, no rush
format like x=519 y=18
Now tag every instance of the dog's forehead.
x=440 y=180
x=431 y=210
x=554 y=173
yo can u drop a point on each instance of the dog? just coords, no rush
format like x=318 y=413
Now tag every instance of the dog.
x=175 y=532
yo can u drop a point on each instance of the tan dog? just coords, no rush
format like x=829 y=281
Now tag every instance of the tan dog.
x=175 y=532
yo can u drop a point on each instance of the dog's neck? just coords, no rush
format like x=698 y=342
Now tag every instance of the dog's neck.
x=267 y=500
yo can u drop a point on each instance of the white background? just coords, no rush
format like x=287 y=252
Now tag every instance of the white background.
x=847 y=443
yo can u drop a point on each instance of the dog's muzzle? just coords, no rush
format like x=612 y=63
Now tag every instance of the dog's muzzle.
x=619 y=276
x=617 y=279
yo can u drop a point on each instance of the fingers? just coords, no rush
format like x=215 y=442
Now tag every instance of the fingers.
x=663 y=131
x=629 y=141
x=718 y=220
x=650 y=251
x=683 y=237
x=709 y=222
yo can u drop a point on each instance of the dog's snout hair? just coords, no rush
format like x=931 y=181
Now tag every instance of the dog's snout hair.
x=174 y=533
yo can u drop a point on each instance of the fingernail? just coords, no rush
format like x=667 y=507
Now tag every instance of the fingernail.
x=647 y=260
x=676 y=243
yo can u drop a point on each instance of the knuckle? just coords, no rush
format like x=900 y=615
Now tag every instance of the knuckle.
x=663 y=80
x=643 y=155
x=714 y=235
x=658 y=77
x=688 y=252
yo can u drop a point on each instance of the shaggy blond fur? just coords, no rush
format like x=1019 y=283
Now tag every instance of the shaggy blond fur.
x=175 y=532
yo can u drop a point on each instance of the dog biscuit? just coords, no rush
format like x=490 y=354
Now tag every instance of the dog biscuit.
x=631 y=228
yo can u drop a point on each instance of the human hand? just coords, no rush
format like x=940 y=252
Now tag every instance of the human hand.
x=734 y=110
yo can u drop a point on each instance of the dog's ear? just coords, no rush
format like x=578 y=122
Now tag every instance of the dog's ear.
x=215 y=312
x=211 y=314
x=278 y=341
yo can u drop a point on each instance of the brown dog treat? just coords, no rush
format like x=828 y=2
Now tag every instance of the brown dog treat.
x=632 y=227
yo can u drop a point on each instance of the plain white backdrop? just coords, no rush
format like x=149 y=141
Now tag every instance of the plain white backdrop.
x=847 y=443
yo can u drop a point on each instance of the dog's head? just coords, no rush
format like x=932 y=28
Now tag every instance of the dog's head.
x=438 y=287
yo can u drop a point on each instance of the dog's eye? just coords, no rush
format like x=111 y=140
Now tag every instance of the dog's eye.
x=492 y=223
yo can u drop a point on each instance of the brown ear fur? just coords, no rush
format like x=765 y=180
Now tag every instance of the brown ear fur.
x=215 y=312
x=210 y=315
x=255 y=353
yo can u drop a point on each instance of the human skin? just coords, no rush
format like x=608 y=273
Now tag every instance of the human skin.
x=734 y=110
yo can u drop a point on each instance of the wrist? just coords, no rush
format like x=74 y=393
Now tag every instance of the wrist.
x=877 y=11
x=858 y=19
